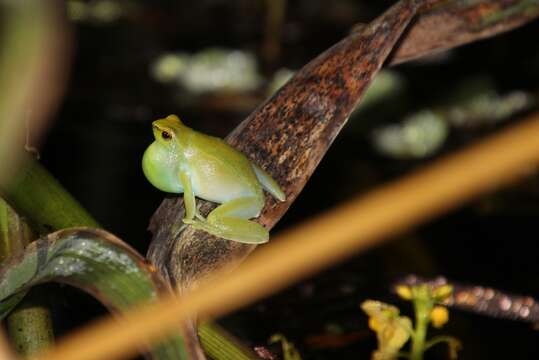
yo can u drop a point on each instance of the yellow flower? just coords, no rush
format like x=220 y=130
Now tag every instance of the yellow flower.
x=374 y=325
x=404 y=292
x=392 y=330
x=439 y=316
x=442 y=293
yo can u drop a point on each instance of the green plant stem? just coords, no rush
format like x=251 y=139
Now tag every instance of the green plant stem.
x=29 y=325
x=418 y=340
x=219 y=344
x=36 y=194
x=422 y=307
x=14 y=234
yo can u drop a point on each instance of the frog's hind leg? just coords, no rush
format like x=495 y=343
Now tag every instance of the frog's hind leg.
x=268 y=183
x=230 y=221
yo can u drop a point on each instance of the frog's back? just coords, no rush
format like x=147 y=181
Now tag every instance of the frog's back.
x=220 y=173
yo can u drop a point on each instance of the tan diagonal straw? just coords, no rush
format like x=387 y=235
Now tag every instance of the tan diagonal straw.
x=320 y=242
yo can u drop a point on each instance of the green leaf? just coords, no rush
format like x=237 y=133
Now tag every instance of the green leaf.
x=94 y=261
x=9 y=303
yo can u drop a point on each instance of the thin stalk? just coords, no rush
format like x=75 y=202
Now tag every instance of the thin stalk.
x=439 y=340
x=423 y=305
x=219 y=344
x=29 y=325
x=422 y=311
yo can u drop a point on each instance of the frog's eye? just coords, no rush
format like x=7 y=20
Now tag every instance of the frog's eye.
x=166 y=135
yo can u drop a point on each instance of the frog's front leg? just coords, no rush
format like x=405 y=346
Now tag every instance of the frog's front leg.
x=230 y=221
x=188 y=198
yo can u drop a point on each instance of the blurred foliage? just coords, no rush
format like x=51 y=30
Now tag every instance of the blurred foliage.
x=473 y=104
x=101 y=11
x=24 y=30
x=211 y=70
x=420 y=135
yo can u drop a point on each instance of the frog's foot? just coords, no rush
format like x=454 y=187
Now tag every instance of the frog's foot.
x=197 y=217
x=230 y=221
x=235 y=229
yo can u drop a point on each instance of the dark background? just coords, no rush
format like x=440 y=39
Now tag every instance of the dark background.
x=95 y=145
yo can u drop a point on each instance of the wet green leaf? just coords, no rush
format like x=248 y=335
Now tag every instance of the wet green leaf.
x=94 y=261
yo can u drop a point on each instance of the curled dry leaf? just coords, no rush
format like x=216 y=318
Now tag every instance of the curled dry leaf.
x=446 y=24
x=287 y=136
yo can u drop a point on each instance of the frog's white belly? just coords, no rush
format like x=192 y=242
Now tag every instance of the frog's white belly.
x=219 y=187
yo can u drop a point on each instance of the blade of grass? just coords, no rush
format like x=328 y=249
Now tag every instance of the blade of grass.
x=325 y=240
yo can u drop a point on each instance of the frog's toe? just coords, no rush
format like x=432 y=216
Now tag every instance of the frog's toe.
x=239 y=230
x=255 y=239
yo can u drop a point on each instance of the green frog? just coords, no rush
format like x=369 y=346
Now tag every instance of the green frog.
x=182 y=160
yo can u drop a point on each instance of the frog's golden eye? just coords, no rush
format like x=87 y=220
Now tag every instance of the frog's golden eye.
x=166 y=135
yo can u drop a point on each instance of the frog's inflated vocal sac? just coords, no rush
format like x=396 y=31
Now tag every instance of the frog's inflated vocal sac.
x=182 y=160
